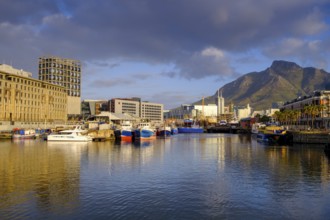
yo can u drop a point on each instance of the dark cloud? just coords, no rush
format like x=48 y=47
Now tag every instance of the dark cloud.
x=310 y=53
x=174 y=32
x=26 y=12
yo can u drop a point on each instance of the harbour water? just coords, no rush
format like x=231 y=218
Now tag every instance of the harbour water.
x=190 y=176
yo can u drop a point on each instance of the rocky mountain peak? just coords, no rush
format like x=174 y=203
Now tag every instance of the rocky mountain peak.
x=281 y=65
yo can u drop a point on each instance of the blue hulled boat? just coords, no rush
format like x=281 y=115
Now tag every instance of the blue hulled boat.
x=190 y=127
x=144 y=132
x=164 y=132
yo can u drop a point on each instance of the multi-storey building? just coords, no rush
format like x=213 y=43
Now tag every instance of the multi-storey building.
x=318 y=98
x=137 y=108
x=152 y=111
x=130 y=106
x=66 y=73
x=25 y=99
x=93 y=107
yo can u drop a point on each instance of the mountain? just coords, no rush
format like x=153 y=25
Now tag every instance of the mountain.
x=282 y=81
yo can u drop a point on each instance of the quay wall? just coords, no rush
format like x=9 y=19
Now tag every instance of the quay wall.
x=305 y=138
x=8 y=126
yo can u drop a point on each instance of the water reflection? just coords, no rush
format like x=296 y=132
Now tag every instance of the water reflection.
x=194 y=176
x=34 y=173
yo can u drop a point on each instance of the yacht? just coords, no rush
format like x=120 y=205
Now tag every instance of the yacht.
x=76 y=135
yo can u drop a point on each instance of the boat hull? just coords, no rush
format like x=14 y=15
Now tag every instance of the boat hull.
x=70 y=138
x=190 y=130
x=144 y=134
x=123 y=135
x=164 y=133
x=24 y=136
x=174 y=131
x=272 y=138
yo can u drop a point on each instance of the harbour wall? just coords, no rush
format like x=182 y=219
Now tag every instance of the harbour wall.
x=310 y=138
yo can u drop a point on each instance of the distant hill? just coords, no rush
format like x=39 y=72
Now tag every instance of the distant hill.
x=281 y=82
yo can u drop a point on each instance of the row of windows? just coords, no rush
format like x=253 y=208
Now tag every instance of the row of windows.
x=150 y=111
x=129 y=107
x=30 y=102
x=74 y=67
x=58 y=77
x=152 y=107
x=30 y=85
x=23 y=81
x=20 y=94
x=67 y=85
x=59 y=72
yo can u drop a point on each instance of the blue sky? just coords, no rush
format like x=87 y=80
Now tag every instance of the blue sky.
x=170 y=51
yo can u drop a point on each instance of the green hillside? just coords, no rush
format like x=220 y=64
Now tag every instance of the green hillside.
x=281 y=82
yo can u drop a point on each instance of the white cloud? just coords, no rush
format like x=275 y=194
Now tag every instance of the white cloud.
x=210 y=61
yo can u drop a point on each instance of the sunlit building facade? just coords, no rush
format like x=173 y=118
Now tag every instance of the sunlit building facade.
x=318 y=98
x=25 y=99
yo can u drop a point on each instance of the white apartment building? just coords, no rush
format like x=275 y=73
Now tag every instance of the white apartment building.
x=137 y=108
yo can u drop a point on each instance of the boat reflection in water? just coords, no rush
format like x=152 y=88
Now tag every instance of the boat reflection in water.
x=68 y=146
x=143 y=143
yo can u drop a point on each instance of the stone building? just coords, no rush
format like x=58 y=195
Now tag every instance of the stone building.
x=25 y=99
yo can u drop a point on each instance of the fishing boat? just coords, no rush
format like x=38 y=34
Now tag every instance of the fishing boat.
x=190 y=127
x=164 y=132
x=124 y=132
x=76 y=135
x=272 y=135
x=144 y=131
x=21 y=133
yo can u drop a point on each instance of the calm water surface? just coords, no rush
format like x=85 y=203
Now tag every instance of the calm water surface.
x=190 y=176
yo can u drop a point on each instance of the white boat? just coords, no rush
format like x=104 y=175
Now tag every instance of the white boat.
x=76 y=135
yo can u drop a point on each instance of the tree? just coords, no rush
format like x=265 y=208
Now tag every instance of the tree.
x=264 y=118
x=277 y=116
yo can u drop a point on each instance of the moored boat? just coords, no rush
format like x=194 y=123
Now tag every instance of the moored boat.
x=164 y=132
x=174 y=131
x=144 y=131
x=272 y=135
x=21 y=133
x=190 y=127
x=76 y=135
x=124 y=132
